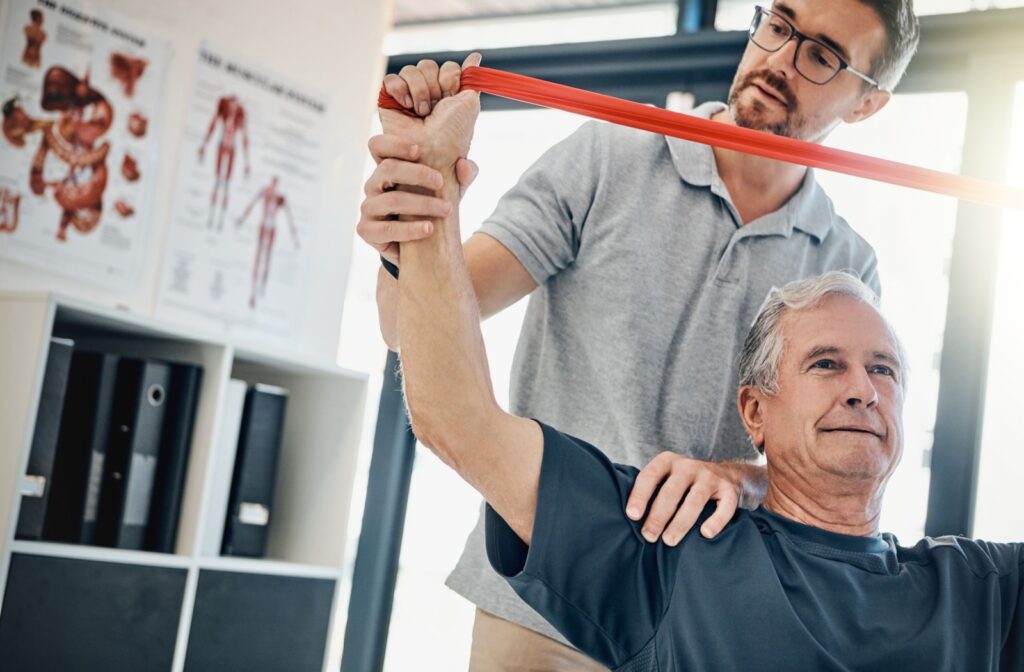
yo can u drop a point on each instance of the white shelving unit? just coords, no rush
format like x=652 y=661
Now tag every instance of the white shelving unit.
x=306 y=534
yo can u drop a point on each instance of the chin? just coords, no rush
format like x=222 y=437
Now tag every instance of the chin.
x=858 y=459
x=756 y=116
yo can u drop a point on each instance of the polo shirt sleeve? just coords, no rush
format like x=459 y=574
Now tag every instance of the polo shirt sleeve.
x=542 y=218
x=588 y=571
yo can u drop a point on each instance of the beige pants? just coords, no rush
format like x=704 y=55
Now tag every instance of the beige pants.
x=504 y=646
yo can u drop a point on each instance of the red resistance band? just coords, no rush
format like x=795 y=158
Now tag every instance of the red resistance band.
x=647 y=118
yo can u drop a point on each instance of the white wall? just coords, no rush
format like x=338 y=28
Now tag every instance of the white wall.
x=333 y=46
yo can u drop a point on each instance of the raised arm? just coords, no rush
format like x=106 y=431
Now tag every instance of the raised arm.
x=499 y=278
x=447 y=382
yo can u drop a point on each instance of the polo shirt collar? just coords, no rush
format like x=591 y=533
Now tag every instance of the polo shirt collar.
x=809 y=209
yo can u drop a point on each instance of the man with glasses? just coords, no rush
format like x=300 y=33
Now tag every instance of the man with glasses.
x=647 y=259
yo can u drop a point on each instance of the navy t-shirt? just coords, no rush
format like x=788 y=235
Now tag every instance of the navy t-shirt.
x=767 y=593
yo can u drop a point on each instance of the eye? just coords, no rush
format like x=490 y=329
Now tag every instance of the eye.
x=822 y=57
x=884 y=370
x=825 y=364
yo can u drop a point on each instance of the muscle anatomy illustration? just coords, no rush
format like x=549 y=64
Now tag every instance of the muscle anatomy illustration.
x=9 y=204
x=230 y=114
x=34 y=38
x=84 y=117
x=273 y=203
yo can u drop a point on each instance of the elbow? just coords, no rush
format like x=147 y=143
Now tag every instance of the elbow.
x=431 y=432
x=447 y=431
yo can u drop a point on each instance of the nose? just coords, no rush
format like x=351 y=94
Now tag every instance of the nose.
x=781 y=61
x=861 y=391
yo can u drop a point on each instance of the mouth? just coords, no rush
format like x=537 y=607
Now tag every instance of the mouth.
x=770 y=93
x=855 y=430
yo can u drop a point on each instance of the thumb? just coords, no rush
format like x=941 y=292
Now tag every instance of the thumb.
x=472 y=60
x=466 y=171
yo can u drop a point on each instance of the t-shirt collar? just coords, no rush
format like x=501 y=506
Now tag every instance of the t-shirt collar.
x=809 y=209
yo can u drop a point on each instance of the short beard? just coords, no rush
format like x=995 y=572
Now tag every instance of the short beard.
x=789 y=127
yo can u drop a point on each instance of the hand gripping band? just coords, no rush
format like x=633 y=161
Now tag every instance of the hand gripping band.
x=687 y=127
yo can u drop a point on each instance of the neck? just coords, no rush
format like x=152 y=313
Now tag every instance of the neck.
x=756 y=185
x=852 y=509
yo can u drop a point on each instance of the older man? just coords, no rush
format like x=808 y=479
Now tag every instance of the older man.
x=805 y=582
x=682 y=239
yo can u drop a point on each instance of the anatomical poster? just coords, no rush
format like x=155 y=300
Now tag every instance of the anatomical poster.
x=247 y=201
x=82 y=91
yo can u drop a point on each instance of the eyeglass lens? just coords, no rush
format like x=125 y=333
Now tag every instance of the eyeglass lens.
x=814 y=61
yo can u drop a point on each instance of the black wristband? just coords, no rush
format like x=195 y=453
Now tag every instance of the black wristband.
x=389 y=267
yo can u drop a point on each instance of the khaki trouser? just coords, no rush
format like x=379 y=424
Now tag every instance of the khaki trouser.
x=504 y=646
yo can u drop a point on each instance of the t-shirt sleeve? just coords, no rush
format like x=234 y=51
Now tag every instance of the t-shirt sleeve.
x=542 y=218
x=588 y=571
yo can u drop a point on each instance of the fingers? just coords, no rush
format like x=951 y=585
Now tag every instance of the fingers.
x=382 y=234
x=646 y=481
x=398 y=89
x=419 y=87
x=449 y=78
x=725 y=509
x=431 y=73
x=394 y=203
x=684 y=519
x=393 y=172
x=392 y=147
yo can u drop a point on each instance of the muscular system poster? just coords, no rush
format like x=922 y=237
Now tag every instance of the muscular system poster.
x=247 y=201
x=81 y=91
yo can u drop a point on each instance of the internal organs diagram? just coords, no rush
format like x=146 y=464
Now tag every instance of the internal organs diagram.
x=85 y=116
x=231 y=116
x=127 y=70
x=9 y=204
x=34 y=38
x=137 y=124
x=130 y=168
x=273 y=202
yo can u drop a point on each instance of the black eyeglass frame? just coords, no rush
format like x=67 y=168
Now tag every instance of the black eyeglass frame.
x=800 y=39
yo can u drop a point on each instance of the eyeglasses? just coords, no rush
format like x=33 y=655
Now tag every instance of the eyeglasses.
x=816 y=62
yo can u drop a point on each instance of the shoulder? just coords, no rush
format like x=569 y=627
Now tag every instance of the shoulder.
x=981 y=558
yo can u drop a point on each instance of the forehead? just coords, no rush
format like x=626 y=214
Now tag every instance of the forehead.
x=841 y=321
x=850 y=23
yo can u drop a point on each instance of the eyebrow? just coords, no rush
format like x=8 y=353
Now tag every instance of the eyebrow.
x=783 y=8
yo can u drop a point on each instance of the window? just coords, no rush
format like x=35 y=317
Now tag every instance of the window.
x=912 y=233
x=616 y=23
x=736 y=14
x=998 y=515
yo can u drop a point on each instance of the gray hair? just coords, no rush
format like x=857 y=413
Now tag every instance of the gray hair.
x=762 y=350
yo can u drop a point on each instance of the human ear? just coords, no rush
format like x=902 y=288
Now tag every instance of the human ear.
x=750 y=403
x=869 y=103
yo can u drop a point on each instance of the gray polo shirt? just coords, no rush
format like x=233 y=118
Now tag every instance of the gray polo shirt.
x=648 y=285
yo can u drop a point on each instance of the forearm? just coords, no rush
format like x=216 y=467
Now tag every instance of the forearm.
x=447 y=379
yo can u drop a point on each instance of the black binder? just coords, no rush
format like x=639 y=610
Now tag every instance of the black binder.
x=252 y=487
x=81 y=448
x=136 y=427
x=172 y=465
x=38 y=481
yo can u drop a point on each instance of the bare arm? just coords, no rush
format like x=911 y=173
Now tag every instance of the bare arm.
x=447 y=382
x=499 y=279
x=248 y=208
x=209 y=130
